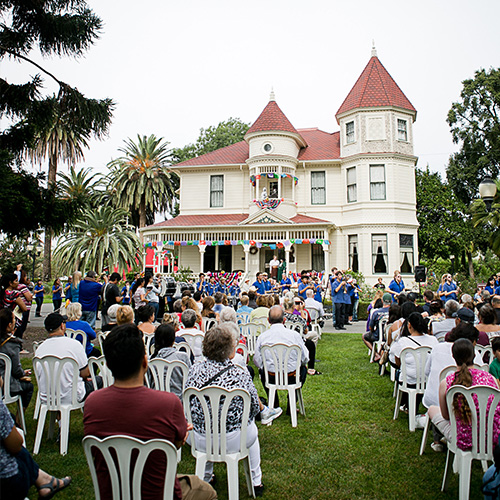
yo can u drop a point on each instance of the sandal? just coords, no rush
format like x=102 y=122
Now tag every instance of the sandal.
x=54 y=489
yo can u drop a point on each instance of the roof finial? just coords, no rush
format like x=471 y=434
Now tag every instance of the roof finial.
x=374 y=50
x=272 y=97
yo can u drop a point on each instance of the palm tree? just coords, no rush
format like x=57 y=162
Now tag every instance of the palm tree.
x=72 y=121
x=142 y=179
x=99 y=238
x=81 y=187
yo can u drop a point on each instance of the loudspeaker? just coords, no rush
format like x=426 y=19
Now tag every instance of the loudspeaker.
x=420 y=276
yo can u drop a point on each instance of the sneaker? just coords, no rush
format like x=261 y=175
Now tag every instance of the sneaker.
x=438 y=447
x=403 y=408
x=267 y=415
x=420 y=421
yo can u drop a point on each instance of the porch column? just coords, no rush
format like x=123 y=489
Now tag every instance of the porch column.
x=287 y=258
x=202 y=248
x=246 y=251
x=143 y=258
x=279 y=182
x=326 y=252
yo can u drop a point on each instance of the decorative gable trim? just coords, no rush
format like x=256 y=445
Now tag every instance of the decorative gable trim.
x=266 y=216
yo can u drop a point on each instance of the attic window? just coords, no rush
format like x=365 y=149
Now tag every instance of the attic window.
x=349 y=132
x=402 y=131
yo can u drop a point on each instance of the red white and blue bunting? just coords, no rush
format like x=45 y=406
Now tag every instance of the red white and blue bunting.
x=272 y=246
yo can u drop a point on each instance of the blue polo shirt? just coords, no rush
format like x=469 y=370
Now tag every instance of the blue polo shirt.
x=450 y=287
x=38 y=291
x=222 y=288
x=317 y=292
x=210 y=289
x=267 y=285
x=337 y=297
x=395 y=287
x=302 y=289
x=261 y=290
x=287 y=282
x=234 y=290
x=89 y=294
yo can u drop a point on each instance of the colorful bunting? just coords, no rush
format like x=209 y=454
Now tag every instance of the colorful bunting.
x=280 y=244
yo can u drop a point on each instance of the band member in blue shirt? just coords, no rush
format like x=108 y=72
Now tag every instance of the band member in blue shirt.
x=304 y=285
x=200 y=285
x=259 y=285
x=396 y=286
x=338 y=299
x=286 y=283
x=211 y=287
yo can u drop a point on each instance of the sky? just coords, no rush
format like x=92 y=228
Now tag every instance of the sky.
x=173 y=67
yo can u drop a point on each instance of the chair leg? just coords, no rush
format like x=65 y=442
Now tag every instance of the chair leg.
x=20 y=413
x=65 y=417
x=424 y=435
x=39 y=428
x=248 y=476
x=398 y=401
x=272 y=396
x=200 y=466
x=232 y=480
x=464 y=477
x=447 y=470
x=412 y=410
x=301 y=402
x=37 y=406
x=293 y=406
x=179 y=455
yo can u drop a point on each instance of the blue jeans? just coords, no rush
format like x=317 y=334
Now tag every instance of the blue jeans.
x=89 y=317
x=155 y=306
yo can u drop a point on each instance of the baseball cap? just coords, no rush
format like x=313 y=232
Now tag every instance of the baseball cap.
x=53 y=321
x=464 y=314
x=387 y=297
x=91 y=274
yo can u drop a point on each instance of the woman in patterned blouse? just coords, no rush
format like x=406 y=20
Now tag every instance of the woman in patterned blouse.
x=219 y=348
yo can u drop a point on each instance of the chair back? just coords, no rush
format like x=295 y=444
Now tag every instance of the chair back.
x=419 y=354
x=195 y=341
x=184 y=347
x=148 y=343
x=7 y=374
x=382 y=322
x=251 y=331
x=242 y=349
x=37 y=344
x=446 y=371
x=126 y=474
x=263 y=323
x=483 y=350
x=101 y=337
x=49 y=372
x=160 y=372
x=280 y=354
x=313 y=312
x=99 y=364
x=208 y=323
x=79 y=335
x=215 y=403
x=483 y=408
x=242 y=317
x=297 y=327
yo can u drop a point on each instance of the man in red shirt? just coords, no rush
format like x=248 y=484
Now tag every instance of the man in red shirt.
x=130 y=408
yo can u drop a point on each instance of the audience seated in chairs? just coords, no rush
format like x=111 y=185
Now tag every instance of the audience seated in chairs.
x=146 y=317
x=18 y=470
x=112 y=322
x=219 y=347
x=244 y=305
x=20 y=381
x=122 y=407
x=74 y=313
x=57 y=344
x=277 y=333
x=373 y=335
x=124 y=315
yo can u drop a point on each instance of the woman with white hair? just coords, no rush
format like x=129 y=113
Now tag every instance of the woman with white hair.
x=112 y=311
x=74 y=313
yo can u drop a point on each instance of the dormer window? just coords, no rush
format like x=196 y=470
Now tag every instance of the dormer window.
x=349 y=132
x=402 y=130
x=267 y=147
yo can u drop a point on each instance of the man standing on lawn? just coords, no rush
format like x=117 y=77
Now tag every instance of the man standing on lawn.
x=121 y=409
x=111 y=296
x=90 y=290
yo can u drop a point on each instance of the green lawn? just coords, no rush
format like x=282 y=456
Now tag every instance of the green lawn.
x=347 y=446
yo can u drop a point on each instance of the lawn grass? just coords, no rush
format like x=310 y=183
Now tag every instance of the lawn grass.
x=347 y=446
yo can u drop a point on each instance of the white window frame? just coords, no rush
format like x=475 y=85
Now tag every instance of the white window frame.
x=377 y=184
x=353 y=242
x=403 y=130
x=214 y=203
x=318 y=192
x=350 y=135
x=380 y=238
x=409 y=251
x=352 y=188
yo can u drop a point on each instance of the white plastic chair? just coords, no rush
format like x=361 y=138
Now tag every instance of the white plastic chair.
x=482 y=350
x=251 y=331
x=482 y=434
x=195 y=341
x=208 y=323
x=442 y=375
x=263 y=323
x=126 y=483
x=242 y=317
x=244 y=350
x=101 y=337
x=7 y=397
x=280 y=354
x=148 y=343
x=184 y=347
x=297 y=327
x=79 y=335
x=99 y=364
x=160 y=372
x=52 y=367
x=420 y=356
x=377 y=345
x=215 y=402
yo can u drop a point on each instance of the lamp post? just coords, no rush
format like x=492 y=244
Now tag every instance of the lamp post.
x=34 y=251
x=487 y=191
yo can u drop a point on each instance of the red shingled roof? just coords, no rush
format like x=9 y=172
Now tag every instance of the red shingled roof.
x=375 y=88
x=223 y=220
x=321 y=146
x=272 y=119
